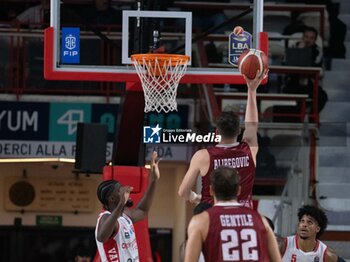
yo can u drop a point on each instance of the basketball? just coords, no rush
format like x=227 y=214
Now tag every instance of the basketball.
x=252 y=60
x=238 y=30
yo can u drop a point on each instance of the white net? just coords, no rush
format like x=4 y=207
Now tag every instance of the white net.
x=160 y=75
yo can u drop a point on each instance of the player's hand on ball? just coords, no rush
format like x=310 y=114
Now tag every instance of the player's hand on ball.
x=252 y=60
x=253 y=84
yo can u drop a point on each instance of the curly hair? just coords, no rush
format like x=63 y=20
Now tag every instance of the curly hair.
x=105 y=189
x=316 y=214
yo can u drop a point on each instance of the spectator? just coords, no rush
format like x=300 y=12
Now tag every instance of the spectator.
x=309 y=41
x=102 y=13
x=35 y=16
x=338 y=30
x=302 y=85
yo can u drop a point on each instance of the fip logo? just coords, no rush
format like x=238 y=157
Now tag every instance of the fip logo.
x=70 y=53
x=70 y=41
x=151 y=134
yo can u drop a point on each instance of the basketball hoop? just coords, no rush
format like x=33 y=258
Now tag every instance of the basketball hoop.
x=160 y=75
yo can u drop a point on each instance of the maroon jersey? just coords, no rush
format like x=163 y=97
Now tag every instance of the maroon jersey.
x=236 y=233
x=238 y=157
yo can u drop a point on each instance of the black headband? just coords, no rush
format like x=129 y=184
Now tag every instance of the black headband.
x=105 y=189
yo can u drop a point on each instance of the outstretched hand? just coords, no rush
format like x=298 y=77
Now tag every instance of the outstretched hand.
x=154 y=165
x=253 y=84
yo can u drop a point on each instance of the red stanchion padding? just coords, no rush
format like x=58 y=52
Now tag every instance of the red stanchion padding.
x=137 y=177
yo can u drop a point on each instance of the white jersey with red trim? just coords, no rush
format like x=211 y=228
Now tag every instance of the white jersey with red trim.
x=122 y=246
x=292 y=252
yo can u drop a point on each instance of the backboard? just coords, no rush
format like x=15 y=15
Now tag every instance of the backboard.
x=104 y=50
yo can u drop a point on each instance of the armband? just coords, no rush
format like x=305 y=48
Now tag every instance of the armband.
x=193 y=196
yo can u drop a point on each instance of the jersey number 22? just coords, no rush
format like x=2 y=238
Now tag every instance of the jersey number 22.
x=230 y=247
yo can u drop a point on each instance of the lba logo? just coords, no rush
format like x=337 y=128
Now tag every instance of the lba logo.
x=151 y=134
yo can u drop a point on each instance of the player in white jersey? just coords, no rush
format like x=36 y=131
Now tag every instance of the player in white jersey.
x=305 y=246
x=114 y=233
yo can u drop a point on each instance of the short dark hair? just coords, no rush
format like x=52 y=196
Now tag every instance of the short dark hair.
x=228 y=124
x=311 y=29
x=316 y=214
x=105 y=189
x=225 y=183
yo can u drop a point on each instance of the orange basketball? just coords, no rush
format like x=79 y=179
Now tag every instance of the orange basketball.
x=252 y=60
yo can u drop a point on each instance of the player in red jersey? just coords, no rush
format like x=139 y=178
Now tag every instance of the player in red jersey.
x=228 y=231
x=114 y=233
x=241 y=156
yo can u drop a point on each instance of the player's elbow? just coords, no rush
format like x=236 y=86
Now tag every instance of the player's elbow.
x=138 y=214
x=101 y=237
x=142 y=215
x=182 y=192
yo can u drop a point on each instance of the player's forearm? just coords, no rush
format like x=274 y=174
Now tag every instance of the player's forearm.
x=184 y=193
x=146 y=201
x=190 y=256
x=107 y=228
x=251 y=113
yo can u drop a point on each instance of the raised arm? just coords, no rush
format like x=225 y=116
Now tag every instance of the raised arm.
x=199 y=161
x=251 y=113
x=108 y=223
x=144 y=205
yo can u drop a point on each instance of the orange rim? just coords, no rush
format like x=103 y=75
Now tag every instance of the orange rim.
x=161 y=58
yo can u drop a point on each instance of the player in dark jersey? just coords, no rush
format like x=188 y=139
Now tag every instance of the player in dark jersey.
x=241 y=156
x=228 y=231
